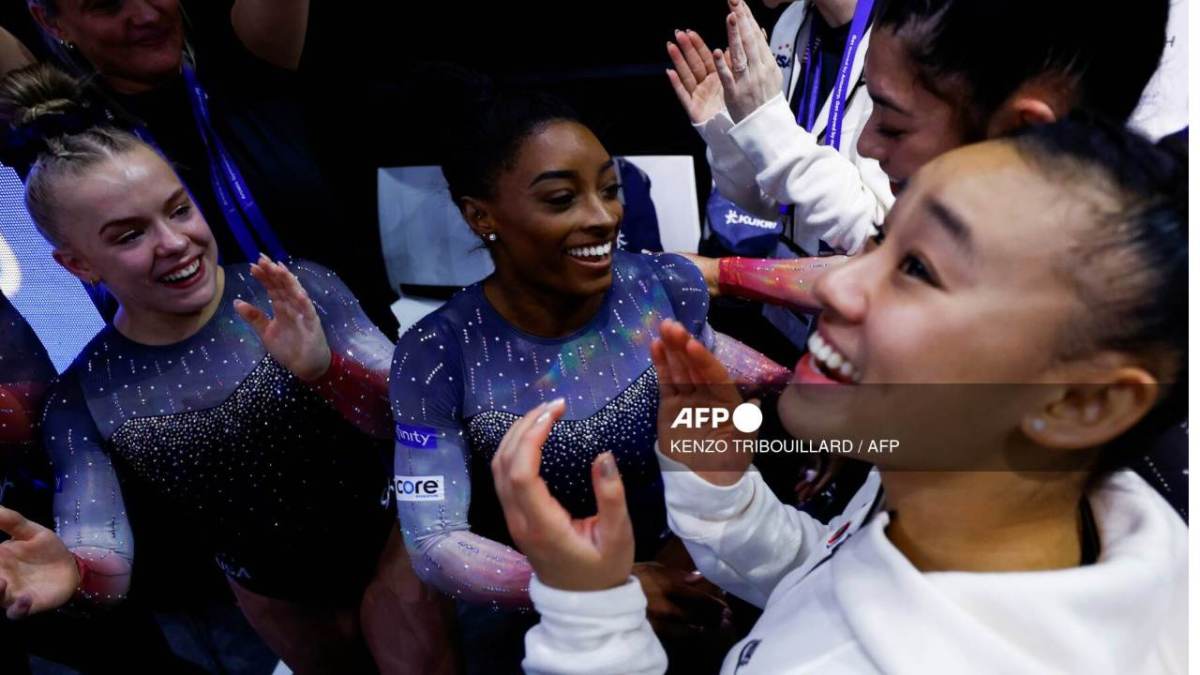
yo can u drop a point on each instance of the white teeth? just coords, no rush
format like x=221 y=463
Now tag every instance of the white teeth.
x=183 y=273
x=832 y=359
x=591 y=251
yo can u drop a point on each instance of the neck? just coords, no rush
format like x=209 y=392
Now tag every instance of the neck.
x=986 y=521
x=157 y=328
x=537 y=310
x=836 y=12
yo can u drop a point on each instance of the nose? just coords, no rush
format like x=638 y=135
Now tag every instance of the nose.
x=604 y=213
x=143 y=12
x=842 y=291
x=170 y=242
x=870 y=142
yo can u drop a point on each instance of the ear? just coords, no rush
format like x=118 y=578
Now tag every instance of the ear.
x=1090 y=415
x=1021 y=112
x=478 y=217
x=76 y=265
x=47 y=23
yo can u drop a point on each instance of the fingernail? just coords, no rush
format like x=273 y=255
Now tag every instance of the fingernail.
x=558 y=401
x=542 y=418
x=608 y=467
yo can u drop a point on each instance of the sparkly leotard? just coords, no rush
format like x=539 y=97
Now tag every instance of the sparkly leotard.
x=285 y=481
x=25 y=372
x=463 y=375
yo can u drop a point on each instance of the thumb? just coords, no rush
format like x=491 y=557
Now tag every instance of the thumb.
x=613 y=513
x=252 y=315
x=16 y=525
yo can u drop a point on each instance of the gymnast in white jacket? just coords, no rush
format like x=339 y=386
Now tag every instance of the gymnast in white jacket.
x=916 y=79
x=1003 y=536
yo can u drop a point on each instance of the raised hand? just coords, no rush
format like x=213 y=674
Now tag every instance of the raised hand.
x=37 y=572
x=694 y=78
x=749 y=74
x=588 y=554
x=689 y=376
x=294 y=337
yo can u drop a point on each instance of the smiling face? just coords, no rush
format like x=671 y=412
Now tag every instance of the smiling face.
x=909 y=125
x=127 y=41
x=129 y=222
x=555 y=212
x=967 y=287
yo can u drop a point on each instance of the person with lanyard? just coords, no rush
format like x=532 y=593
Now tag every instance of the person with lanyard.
x=933 y=89
x=261 y=435
x=819 y=48
x=217 y=87
x=1002 y=535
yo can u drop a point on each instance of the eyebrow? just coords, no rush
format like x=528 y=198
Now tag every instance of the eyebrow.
x=130 y=220
x=884 y=101
x=954 y=225
x=567 y=174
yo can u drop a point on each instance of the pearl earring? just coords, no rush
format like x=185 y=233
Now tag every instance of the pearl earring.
x=491 y=236
x=1037 y=424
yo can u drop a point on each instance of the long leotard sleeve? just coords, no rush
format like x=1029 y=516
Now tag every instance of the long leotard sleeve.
x=25 y=372
x=356 y=382
x=89 y=511
x=786 y=282
x=750 y=369
x=432 y=482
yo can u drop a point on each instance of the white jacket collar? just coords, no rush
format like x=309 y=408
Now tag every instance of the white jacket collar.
x=1114 y=616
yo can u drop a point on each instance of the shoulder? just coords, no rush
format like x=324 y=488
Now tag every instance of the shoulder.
x=683 y=284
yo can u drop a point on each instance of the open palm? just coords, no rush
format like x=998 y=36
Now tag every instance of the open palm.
x=37 y=572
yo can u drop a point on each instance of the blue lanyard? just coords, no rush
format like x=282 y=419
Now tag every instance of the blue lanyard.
x=246 y=220
x=811 y=75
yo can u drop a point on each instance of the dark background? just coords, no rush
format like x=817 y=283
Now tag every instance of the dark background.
x=607 y=59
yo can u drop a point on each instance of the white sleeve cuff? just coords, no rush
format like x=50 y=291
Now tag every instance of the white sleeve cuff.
x=690 y=495
x=626 y=600
x=759 y=133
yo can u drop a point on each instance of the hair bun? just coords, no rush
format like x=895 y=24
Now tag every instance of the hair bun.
x=39 y=103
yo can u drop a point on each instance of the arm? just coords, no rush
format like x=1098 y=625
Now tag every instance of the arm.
x=593 y=613
x=89 y=511
x=836 y=200
x=787 y=282
x=272 y=30
x=430 y=446
x=740 y=535
x=13 y=53
x=19 y=403
x=320 y=333
x=696 y=84
x=750 y=369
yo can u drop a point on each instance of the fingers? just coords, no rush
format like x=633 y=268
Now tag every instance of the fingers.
x=706 y=55
x=702 y=365
x=683 y=69
x=252 y=315
x=753 y=37
x=19 y=607
x=675 y=370
x=680 y=90
x=666 y=388
x=615 y=530
x=737 y=51
x=16 y=525
x=692 y=56
x=516 y=474
x=725 y=73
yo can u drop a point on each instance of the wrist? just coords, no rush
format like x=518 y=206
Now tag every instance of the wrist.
x=325 y=370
